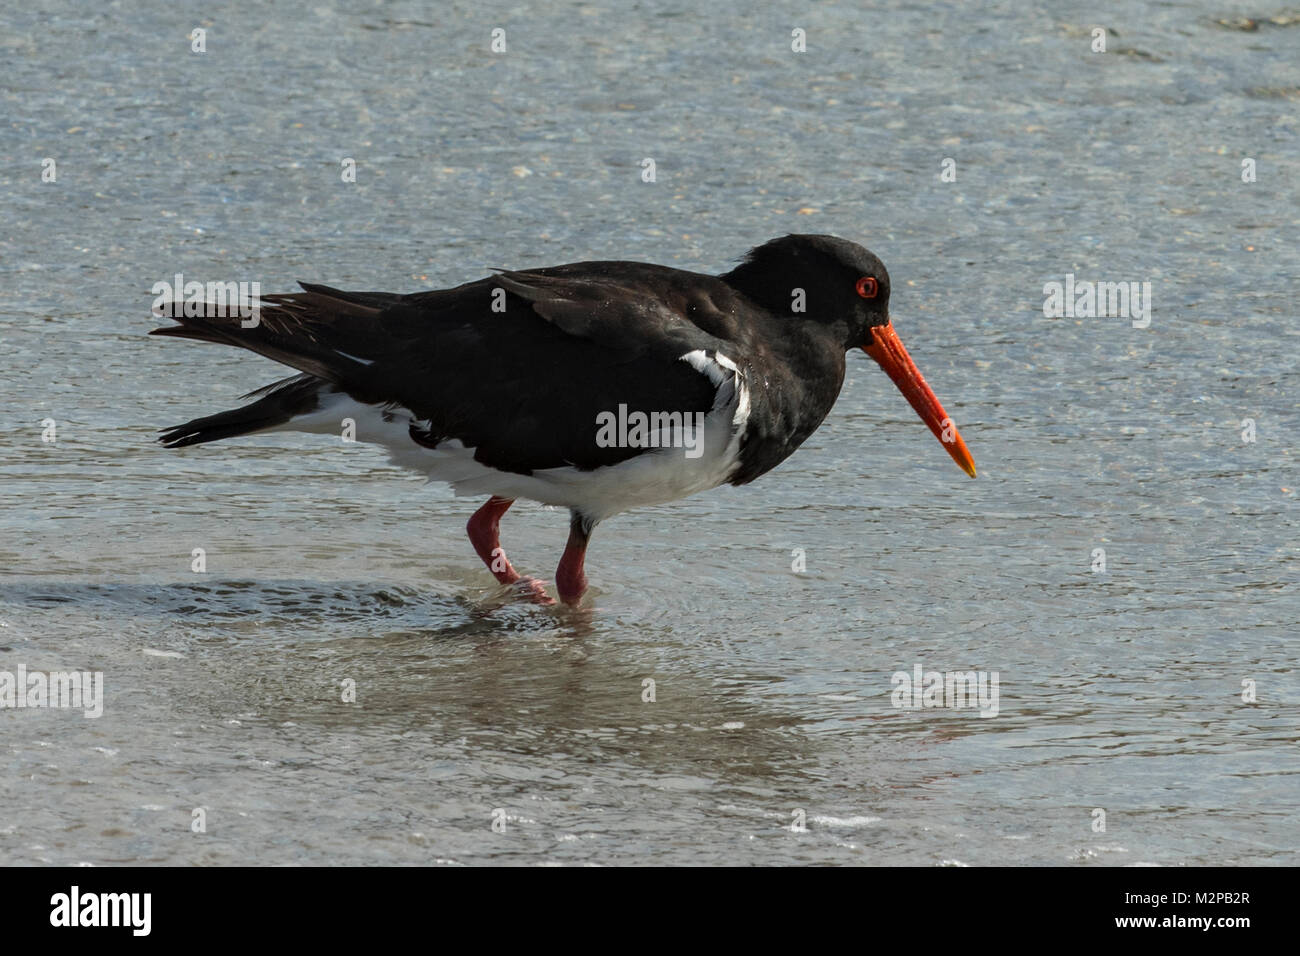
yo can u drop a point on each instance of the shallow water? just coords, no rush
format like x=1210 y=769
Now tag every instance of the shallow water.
x=1119 y=690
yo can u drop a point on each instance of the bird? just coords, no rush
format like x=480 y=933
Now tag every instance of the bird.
x=597 y=386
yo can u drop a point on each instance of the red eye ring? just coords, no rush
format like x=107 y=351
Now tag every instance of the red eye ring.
x=868 y=287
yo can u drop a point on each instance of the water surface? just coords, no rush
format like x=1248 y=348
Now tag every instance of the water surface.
x=1119 y=691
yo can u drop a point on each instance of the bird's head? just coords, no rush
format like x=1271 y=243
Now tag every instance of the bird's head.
x=844 y=289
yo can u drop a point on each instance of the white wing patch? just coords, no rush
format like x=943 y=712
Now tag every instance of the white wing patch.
x=726 y=377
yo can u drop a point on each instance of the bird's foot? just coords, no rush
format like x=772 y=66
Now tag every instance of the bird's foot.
x=534 y=590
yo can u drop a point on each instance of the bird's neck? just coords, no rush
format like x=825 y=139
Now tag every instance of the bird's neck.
x=760 y=284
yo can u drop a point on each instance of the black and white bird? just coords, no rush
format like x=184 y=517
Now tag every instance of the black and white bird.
x=594 y=386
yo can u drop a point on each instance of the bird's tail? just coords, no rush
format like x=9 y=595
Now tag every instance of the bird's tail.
x=321 y=331
x=327 y=334
x=278 y=403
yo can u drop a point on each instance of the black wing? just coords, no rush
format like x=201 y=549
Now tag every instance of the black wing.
x=518 y=366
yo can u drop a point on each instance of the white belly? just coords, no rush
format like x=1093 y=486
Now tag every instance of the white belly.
x=655 y=476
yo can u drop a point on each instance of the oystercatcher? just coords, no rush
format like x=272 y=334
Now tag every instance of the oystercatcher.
x=594 y=386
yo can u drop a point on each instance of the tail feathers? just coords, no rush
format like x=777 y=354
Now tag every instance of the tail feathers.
x=306 y=357
x=280 y=401
x=324 y=332
x=331 y=336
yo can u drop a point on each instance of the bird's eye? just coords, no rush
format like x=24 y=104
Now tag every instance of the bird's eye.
x=868 y=287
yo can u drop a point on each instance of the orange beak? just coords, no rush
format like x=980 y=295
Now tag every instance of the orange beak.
x=887 y=349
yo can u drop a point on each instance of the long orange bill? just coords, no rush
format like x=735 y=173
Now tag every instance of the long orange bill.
x=887 y=349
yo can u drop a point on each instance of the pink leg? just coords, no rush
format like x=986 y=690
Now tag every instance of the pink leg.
x=484 y=534
x=570 y=576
